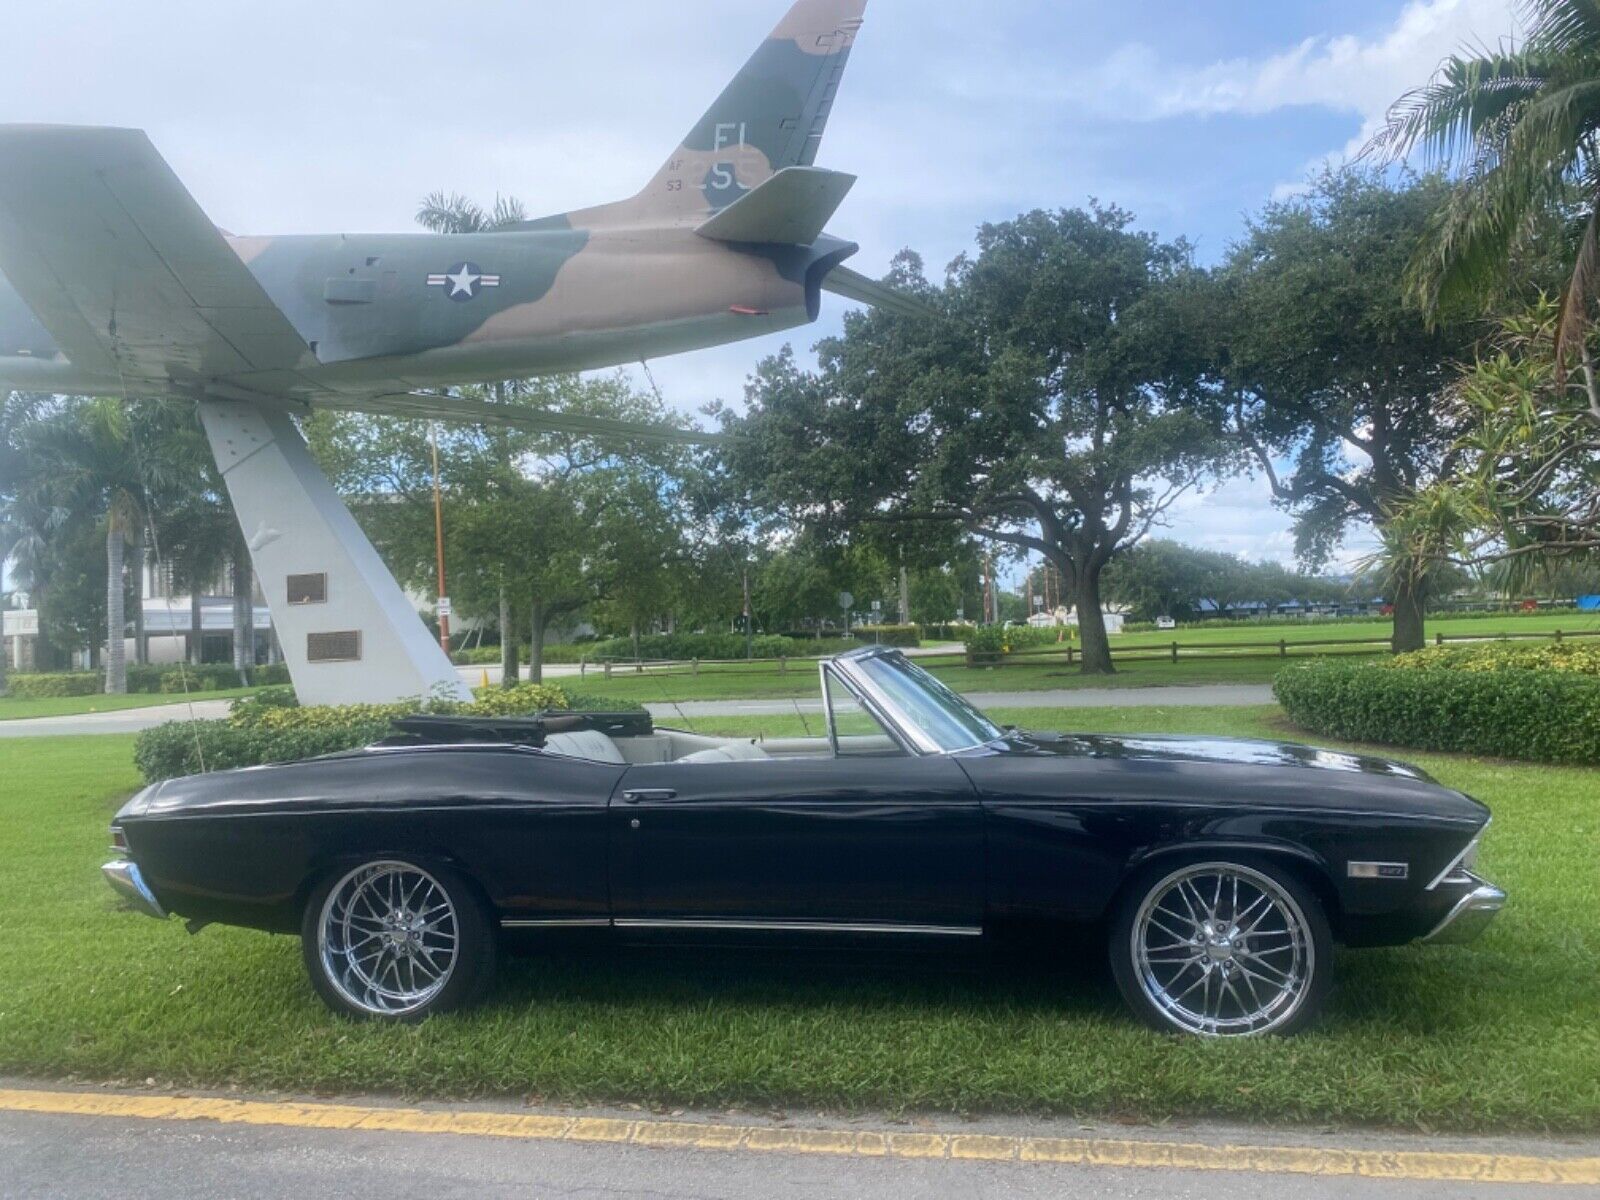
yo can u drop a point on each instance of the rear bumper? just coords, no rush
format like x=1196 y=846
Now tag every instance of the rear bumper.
x=1471 y=914
x=127 y=882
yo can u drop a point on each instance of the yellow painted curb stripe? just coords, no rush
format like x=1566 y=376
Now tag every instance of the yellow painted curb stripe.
x=1091 y=1152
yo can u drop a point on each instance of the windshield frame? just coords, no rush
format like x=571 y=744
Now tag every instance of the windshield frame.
x=852 y=667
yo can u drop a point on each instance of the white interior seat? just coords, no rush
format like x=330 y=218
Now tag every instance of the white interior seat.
x=584 y=743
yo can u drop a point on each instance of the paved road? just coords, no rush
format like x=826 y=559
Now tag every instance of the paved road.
x=134 y=720
x=72 y=1157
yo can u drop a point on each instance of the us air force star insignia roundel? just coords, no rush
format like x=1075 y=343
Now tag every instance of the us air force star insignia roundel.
x=464 y=282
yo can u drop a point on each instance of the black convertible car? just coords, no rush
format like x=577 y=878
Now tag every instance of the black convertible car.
x=1221 y=871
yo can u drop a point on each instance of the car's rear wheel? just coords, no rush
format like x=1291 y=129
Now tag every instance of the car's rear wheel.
x=396 y=940
x=1222 y=948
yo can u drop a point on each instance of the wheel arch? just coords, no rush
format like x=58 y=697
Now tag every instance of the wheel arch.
x=1308 y=867
x=331 y=866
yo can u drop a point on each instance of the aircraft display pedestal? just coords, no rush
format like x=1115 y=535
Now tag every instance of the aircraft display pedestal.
x=348 y=632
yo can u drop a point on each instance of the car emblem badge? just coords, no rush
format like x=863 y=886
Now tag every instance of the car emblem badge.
x=464 y=282
x=1379 y=870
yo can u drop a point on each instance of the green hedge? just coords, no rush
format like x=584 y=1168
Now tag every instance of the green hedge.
x=144 y=680
x=1538 y=715
x=41 y=686
x=270 y=728
x=909 y=636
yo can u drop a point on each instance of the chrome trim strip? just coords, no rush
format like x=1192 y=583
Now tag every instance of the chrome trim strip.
x=801 y=927
x=127 y=882
x=1470 y=915
x=1462 y=857
x=558 y=923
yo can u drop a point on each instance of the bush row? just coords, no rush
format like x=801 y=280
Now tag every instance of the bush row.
x=143 y=680
x=271 y=728
x=909 y=636
x=1507 y=712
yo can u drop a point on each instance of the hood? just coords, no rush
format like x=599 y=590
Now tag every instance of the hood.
x=1188 y=748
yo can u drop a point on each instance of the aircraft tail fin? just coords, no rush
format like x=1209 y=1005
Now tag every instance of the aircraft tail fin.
x=771 y=117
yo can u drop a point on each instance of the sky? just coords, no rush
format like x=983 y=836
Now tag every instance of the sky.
x=309 y=117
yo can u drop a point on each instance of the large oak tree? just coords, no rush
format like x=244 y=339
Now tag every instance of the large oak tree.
x=1046 y=411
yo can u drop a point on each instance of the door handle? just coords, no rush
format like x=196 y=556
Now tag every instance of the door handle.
x=649 y=795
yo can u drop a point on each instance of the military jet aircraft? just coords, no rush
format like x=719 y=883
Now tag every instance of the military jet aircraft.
x=114 y=282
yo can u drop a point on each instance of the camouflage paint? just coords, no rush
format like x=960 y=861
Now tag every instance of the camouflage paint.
x=572 y=291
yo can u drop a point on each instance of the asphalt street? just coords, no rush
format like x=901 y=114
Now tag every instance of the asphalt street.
x=68 y=1157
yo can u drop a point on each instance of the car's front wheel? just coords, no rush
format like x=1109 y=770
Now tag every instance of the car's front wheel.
x=396 y=940
x=1222 y=948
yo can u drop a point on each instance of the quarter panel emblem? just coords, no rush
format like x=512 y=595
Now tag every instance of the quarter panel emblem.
x=464 y=282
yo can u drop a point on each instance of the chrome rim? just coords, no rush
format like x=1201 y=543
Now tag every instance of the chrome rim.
x=388 y=938
x=1223 y=951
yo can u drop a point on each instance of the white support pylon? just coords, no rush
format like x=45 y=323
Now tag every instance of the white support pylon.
x=348 y=632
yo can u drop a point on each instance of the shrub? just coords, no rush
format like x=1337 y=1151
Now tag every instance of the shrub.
x=39 y=687
x=890 y=635
x=271 y=727
x=1506 y=712
x=1580 y=658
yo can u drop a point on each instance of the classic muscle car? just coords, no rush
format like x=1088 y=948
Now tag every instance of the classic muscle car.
x=1220 y=872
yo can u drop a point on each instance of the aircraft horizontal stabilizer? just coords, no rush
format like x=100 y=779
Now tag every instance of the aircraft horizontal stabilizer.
x=790 y=209
x=431 y=406
x=853 y=285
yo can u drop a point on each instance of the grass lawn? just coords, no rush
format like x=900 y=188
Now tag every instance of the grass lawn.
x=1503 y=1034
x=15 y=708
x=763 y=681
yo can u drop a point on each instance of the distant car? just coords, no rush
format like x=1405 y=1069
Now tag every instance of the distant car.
x=1166 y=623
x=1220 y=872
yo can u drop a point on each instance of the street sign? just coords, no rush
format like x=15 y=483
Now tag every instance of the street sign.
x=21 y=622
x=846 y=601
x=877 y=606
x=445 y=609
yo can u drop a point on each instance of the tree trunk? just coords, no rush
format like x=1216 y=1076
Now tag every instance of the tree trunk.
x=635 y=635
x=510 y=670
x=5 y=654
x=536 y=649
x=244 y=614
x=197 y=633
x=1410 y=605
x=141 y=643
x=1092 y=624
x=116 y=617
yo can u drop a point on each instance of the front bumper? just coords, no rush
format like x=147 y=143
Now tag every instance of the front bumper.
x=127 y=882
x=1470 y=915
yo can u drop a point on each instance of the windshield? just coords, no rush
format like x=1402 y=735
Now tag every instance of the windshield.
x=944 y=717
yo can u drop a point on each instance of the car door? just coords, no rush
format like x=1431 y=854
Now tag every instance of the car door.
x=866 y=838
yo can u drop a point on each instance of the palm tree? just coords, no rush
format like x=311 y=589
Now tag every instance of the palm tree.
x=1522 y=123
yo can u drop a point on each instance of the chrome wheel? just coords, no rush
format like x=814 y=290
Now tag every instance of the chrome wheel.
x=388 y=938
x=1222 y=950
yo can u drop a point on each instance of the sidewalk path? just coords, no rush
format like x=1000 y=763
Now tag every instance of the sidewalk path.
x=1231 y=695
x=131 y=720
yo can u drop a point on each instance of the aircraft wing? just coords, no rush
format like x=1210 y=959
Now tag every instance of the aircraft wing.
x=122 y=266
x=853 y=285
x=429 y=406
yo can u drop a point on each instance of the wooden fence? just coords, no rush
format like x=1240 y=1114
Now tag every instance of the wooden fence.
x=1064 y=655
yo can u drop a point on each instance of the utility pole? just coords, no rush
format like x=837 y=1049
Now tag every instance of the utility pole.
x=438 y=541
x=905 y=591
x=749 y=623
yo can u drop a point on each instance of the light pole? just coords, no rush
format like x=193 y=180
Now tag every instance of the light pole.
x=438 y=540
